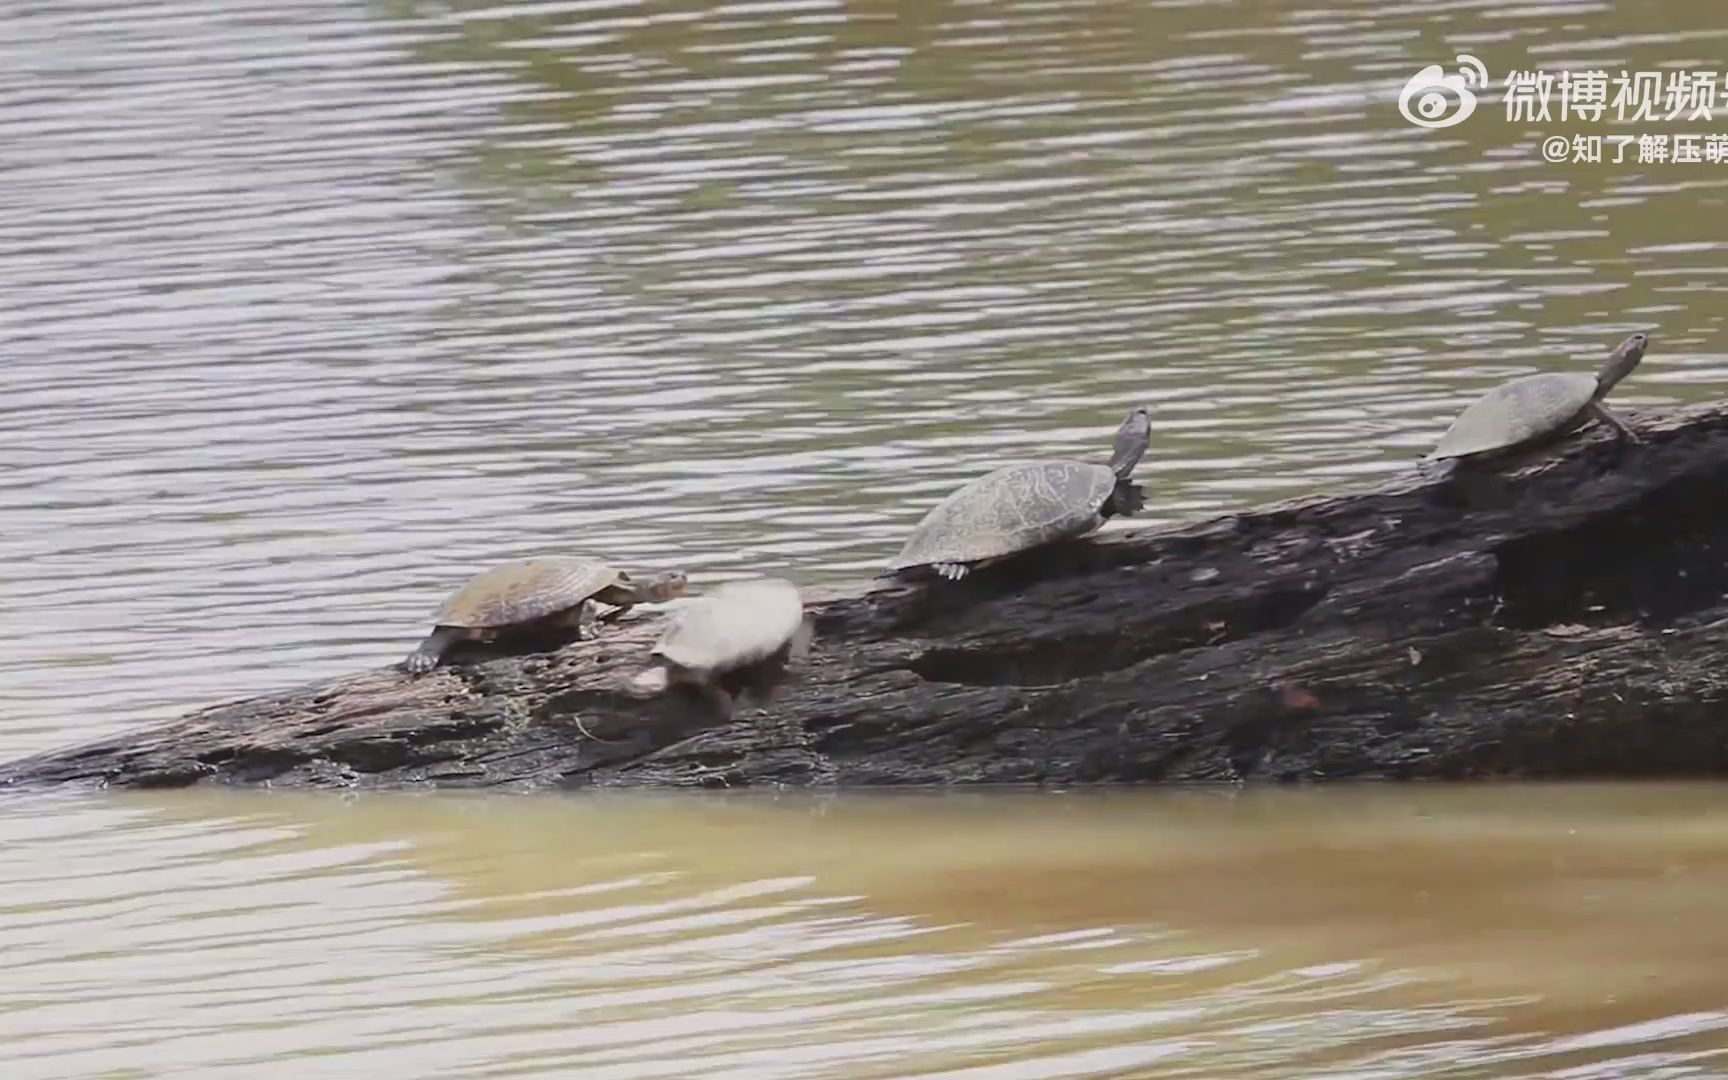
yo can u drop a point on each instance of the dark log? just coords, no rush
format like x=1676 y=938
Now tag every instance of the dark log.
x=1565 y=618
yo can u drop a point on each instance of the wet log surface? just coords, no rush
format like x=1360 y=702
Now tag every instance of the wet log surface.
x=1562 y=618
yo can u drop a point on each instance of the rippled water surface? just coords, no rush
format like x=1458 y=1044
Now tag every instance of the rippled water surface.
x=1362 y=934
x=310 y=308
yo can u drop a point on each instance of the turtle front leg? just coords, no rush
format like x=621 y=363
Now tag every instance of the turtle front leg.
x=723 y=703
x=1126 y=500
x=617 y=613
x=426 y=657
x=798 y=649
x=582 y=619
x=1606 y=415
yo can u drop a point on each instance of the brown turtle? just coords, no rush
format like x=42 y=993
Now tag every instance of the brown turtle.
x=531 y=594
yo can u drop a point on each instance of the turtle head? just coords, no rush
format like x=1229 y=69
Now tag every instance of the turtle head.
x=664 y=586
x=1132 y=438
x=1620 y=362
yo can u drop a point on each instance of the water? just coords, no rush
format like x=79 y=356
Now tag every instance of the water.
x=1368 y=934
x=308 y=309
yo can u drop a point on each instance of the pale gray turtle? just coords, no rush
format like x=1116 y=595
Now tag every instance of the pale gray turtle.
x=1531 y=409
x=1021 y=507
x=541 y=593
x=715 y=643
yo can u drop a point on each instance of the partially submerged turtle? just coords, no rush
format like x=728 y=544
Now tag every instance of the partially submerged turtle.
x=722 y=643
x=1021 y=507
x=537 y=594
x=1534 y=408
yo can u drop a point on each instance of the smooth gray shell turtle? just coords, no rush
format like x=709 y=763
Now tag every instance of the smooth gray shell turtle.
x=1020 y=507
x=533 y=594
x=739 y=626
x=1531 y=409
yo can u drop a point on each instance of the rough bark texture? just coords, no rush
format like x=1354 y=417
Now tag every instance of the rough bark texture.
x=1559 y=619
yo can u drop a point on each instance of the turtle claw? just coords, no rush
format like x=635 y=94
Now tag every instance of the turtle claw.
x=587 y=623
x=615 y=614
x=1622 y=430
x=426 y=657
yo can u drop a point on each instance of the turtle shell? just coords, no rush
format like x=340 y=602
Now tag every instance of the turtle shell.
x=1010 y=510
x=1518 y=412
x=526 y=590
x=736 y=625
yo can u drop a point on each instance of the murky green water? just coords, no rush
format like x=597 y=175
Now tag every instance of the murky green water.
x=310 y=308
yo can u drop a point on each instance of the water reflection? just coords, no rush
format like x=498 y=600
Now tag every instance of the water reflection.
x=1361 y=933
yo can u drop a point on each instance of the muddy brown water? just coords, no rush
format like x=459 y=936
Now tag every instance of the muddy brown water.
x=310 y=308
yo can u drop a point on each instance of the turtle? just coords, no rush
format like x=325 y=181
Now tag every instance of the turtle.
x=1020 y=507
x=725 y=642
x=529 y=594
x=1535 y=408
